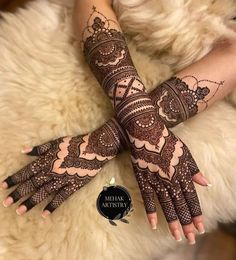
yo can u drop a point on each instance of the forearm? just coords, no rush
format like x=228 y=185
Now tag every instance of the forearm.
x=175 y=105
x=207 y=80
x=107 y=55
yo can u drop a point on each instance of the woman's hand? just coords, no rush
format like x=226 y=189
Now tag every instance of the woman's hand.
x=168 y=171
x=162 y=164
x=64 y=166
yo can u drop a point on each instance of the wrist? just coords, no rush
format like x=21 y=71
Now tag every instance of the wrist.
x=175 y=101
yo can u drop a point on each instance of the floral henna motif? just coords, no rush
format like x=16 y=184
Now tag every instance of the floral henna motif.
x=68 y=165
x=177 y=101
x=160 y=160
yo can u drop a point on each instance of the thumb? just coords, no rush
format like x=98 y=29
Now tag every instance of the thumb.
x=38 y=150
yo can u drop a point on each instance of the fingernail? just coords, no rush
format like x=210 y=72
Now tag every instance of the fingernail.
x=153 y=224
x=205 y=181
x=191 y=238
x=177 y=235
x=27 y=150
x=200 y=228
x=21 y=210
x=7 y=202
x=3 y=185
x=46 y=213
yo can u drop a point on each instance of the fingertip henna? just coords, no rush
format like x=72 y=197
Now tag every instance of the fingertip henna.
x=10 y=181
x=15 y=196
x=29 y=204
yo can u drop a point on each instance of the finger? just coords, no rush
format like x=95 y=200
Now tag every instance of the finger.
x=61 y=195
x=39 y=149
x=182 y=211
x=42 y=193
x=192 y=200
x=199 y=224
x=200 y=179
x=166 y=205
x=175 y=230
x=189 y=232
x=190 y=195
x=25 y=188
x=25 y=173
x=152 y=218
x=148 y=195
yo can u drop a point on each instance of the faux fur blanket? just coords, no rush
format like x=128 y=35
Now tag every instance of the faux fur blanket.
x=47 y=91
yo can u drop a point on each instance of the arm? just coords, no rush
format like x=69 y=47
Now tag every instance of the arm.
x=117 y=135
x=162 y=163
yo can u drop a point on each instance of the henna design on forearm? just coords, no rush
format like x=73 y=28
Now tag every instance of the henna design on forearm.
x=176 y=101
x=67 y=164
x=107 y=54
x=154 y=149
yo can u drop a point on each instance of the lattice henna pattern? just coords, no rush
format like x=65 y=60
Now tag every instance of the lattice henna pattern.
x=164 y=167
x=66 y=165
x=154 y=149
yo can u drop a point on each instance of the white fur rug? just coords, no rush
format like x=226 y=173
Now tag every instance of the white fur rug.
x=47 y=91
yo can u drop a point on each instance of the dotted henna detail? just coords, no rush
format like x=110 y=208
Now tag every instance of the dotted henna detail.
x=68 y=165
x=161 y=161
x=177 y=101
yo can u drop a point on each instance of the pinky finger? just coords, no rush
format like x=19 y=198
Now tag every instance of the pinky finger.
x=62 y=194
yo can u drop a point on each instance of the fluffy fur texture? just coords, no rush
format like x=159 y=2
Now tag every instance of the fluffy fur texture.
x=47 y=91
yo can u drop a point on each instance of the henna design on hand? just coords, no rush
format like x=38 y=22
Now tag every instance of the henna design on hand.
x=160 y=160
x=65 y=165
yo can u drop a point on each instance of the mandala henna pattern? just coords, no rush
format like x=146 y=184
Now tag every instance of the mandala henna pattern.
x=160 y=160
